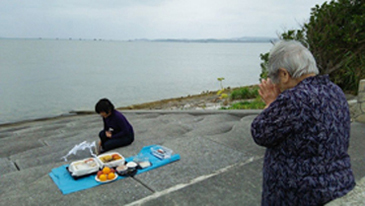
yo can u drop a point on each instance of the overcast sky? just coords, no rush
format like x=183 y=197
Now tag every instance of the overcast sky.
x=153 y=19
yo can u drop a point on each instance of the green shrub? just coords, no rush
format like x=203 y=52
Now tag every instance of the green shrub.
x=245 y=93
x=255 y=104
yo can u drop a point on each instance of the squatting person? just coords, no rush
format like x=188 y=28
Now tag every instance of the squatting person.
x=117 y=132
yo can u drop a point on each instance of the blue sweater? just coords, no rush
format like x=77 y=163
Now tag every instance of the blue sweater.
x=306 y=133
x=118 y=124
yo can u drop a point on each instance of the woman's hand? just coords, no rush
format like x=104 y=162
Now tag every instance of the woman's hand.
x=108 y=134
x=268 y=91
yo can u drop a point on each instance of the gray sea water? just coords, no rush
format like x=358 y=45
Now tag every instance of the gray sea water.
x=47 y=78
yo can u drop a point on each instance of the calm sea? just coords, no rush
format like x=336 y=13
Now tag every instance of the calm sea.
x=47 y=78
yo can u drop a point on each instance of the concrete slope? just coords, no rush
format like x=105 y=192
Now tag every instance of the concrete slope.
x=220 y=164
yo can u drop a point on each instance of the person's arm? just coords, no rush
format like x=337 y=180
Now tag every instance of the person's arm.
x=123 y=124
x=275 y=123
x=105 y=126
x=106 y=129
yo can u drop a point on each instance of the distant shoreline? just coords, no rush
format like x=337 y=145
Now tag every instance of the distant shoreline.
x=208 y=40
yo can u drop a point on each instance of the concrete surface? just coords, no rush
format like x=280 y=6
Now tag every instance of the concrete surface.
x=359 y=109
x=220 y=164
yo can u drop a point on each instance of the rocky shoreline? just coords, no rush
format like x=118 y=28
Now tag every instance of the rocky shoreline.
x=207 y=100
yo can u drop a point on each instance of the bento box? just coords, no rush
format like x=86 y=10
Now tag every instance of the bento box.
x=83 y=167
x=113 y=159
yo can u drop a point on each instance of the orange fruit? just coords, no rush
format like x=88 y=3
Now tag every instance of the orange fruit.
x=111 y=176
x=106 y=170
x=103 y=177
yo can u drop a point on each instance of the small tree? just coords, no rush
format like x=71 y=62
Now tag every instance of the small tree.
x=335 y=34
x=220 y=92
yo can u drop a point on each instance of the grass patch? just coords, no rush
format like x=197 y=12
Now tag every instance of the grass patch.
x=250 y=98
x=254 y=104
x=245 y=93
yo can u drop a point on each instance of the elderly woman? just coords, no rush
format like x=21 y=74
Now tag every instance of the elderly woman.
x=305 y=128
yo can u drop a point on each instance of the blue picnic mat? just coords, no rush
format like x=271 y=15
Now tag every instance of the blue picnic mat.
x=67 y=184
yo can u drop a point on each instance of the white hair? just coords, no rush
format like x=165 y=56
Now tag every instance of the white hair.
x=292 y=56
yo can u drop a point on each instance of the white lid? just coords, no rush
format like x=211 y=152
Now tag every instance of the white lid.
x=131 y=164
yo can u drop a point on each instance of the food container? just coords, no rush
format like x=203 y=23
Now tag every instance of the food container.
x=161 y=152
x=144 y=164
x=142 y=161
x=113 y=159
x=122 y=169
x=132 y=166
x=83 y=167
x=131 y=169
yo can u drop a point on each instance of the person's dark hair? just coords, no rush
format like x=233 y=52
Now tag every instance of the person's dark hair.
x=104 y=105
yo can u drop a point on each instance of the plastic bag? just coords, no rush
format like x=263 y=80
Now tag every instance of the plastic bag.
x=82 y=146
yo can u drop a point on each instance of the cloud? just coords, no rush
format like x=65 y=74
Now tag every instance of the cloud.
x=129 y=19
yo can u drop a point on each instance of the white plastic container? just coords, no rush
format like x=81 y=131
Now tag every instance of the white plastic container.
x=161 y=152
x=108 y=160
x=142 y=161
x=83 y=167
